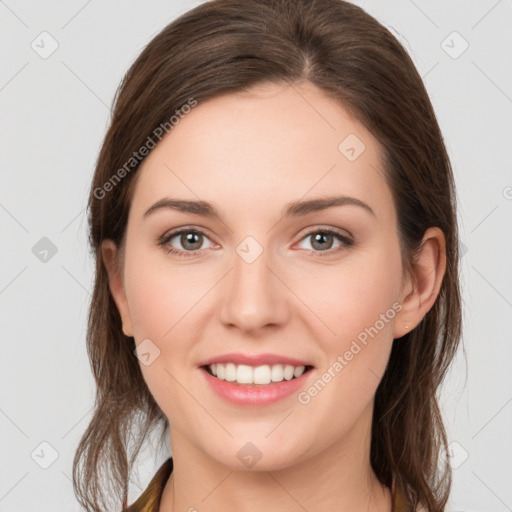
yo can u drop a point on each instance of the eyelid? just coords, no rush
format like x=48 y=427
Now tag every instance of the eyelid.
x=320 y=228
x=187 y=229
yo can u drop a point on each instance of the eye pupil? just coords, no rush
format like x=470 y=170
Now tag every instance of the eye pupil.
x=191 y=238
x=319 y=237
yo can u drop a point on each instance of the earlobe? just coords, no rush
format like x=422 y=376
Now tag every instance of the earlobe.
x=422 y=287
x=109 y=252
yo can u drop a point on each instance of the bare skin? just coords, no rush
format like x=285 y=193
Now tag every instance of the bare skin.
x=250 y=155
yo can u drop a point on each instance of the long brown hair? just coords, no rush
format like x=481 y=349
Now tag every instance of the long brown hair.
x=225 y=46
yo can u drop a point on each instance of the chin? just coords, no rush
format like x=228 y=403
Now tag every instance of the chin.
x=255 y=456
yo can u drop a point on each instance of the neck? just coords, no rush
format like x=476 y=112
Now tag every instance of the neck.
x=339 y=478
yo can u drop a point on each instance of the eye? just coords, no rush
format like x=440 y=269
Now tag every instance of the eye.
x=323 y=240
x=190 y=240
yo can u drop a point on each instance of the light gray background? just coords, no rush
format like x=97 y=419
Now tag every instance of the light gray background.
x=54 y=113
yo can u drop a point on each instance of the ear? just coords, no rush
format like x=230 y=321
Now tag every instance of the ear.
x=109 y=252
x=421 y=289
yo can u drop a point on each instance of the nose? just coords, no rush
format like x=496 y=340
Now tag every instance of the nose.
x=253 y=296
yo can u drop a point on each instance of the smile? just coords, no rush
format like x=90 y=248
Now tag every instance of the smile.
x=258 y=375
x=256 y=386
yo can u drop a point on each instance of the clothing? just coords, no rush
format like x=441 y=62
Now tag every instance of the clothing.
x=149 y=500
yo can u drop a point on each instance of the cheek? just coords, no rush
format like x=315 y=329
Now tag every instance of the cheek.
x=165 y=303
x=356 y=303
x=353 y=296
x=159 y=295
x=359 y=304
x=161 y=299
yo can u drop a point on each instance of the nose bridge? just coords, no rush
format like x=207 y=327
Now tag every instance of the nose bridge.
x=253 y=297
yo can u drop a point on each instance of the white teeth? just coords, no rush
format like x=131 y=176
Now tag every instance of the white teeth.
x=288 y=372
x=262 y=375
x=230 y=373
x=298 y=371
x=244 y=374
x=277 y=373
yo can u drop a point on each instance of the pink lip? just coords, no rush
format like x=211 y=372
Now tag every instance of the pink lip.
x=254 y=395
x=254 y=360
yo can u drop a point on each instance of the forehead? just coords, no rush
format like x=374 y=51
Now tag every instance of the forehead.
x=264 y=147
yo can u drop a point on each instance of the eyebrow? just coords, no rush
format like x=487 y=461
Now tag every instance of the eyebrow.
x=294 y=209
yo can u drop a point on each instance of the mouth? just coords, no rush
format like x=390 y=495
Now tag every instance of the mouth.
x=263 y=375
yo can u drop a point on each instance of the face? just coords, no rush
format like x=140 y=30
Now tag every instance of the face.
x=267 y=281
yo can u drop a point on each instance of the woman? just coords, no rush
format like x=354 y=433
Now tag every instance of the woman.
x=273 y=220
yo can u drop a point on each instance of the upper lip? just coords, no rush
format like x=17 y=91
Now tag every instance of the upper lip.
x=254 y=360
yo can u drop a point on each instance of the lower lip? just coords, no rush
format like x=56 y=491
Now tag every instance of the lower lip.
x=255 y=395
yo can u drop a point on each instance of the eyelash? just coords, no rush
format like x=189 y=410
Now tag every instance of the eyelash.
x=166 y=238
